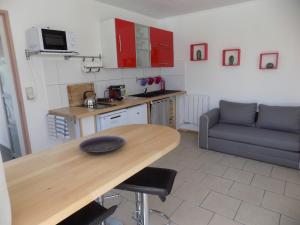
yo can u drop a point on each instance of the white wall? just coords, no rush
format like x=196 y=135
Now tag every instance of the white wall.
x=255 y=26
x=50 y=75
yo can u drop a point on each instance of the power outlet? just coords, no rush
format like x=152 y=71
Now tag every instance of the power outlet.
x=30 y=93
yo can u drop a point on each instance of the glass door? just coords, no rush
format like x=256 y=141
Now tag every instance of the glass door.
x=11 y=99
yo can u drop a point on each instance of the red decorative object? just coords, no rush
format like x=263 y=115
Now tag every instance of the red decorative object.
x=125 y=37
x=162 y=53
x=231 y=57
x=195 y=55
x=268 y=61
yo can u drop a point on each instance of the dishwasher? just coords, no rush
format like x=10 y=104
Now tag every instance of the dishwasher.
x=110 y=120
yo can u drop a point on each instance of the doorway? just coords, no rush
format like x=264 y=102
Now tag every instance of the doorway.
x=14 y=138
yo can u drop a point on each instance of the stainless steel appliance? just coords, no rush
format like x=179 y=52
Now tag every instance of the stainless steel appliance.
x=49 y=40
x=89 y=99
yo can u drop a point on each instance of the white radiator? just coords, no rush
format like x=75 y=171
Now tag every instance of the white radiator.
x=189 y=109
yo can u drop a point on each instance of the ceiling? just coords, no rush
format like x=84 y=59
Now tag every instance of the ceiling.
x=166 y=8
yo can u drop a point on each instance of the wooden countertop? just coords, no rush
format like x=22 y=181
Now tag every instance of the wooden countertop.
x=80 y=112
x=47 y=187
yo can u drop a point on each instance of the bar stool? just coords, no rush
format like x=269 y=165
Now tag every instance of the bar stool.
x=154 y=181
x=92 y=214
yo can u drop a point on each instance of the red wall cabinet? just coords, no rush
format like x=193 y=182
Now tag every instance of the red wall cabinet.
x=125 y=37
x=162 y=54
x=118 y=44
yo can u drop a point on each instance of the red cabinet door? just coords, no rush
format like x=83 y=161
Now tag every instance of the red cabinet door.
x=125 y=37
x=162 y=54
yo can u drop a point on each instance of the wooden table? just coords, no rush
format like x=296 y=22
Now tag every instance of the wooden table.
x=47 y=187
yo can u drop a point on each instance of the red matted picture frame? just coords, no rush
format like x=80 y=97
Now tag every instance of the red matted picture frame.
x=199 y=52
x=268 y=61
x=231 y=57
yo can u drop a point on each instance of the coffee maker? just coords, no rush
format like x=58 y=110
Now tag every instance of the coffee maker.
x=116 y=92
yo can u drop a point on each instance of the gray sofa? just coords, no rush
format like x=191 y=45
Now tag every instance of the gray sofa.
x=271 y=135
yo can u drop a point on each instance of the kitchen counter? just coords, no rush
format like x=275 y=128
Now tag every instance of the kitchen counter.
x=81 y=112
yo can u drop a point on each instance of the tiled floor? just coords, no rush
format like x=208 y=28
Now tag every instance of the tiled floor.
x=218 y=189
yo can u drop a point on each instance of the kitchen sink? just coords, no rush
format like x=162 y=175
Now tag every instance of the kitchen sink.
x=154 y=93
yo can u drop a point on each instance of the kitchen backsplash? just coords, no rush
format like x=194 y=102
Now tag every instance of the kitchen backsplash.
x=60 y=73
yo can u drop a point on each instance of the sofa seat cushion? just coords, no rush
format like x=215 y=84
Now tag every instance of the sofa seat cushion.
x=256 y=136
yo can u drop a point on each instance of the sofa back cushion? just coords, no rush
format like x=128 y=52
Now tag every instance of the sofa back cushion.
x=279 y=118
x=237 y=113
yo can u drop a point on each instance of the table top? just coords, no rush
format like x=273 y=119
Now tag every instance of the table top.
x=49 y=186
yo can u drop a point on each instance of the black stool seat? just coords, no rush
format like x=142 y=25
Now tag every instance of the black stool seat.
x=155 y=181
x=92 y=214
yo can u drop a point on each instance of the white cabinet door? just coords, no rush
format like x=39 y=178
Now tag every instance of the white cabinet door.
x=87 y=125
x=110 y=120
x=137 y=114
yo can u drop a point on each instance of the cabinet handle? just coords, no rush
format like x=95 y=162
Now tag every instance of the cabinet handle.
x=115 y=117
x=164 y=45
x=120 y=43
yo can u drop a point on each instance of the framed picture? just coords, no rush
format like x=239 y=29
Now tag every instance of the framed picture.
x=199 y=52
x=268 y=61
x=231 y=57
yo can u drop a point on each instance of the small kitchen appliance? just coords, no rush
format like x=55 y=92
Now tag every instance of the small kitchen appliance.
x=50 y=40
x=116 y=92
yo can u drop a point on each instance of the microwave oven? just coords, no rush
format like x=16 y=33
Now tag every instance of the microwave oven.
x=50 y=40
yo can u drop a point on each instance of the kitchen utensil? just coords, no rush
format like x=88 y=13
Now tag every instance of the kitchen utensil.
x=89 y=101
x=102 y=144
x=144 y=81
x=157 y=80
x=150 y=80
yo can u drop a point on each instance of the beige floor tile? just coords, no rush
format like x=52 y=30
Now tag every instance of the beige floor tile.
x=292 y=190
x=287 y=174
x=233 y=161
x=252 y=215
x=188 y=214
x=238 y=175
x=211 y=156
x=221 y=220
x=194 y=194
x=221 y=204
x=268 y=183
x=192 y=163
x=185 y=174
x=284 y=220
x=213 y=169
x=258 y=167
x=217 y=184
x=246 y=193
x=282 y=204
x=177 y=184
x=178 y=166
x=167 y=207
x=124 y=213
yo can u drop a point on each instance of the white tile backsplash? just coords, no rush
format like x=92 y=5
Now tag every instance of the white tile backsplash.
x=54 y=98
x=60 y=73
x=70 y=72
x=51 y=72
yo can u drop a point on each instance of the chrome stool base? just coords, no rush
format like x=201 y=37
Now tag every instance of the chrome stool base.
x=142 y=211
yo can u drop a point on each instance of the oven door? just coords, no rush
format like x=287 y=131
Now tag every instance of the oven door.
x=54 y=40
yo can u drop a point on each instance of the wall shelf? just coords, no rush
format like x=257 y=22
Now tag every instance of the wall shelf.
x=29 y=53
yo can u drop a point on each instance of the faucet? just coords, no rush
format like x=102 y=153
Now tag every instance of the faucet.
x=145 y=91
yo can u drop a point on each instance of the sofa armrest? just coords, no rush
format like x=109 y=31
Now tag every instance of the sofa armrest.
x=207 y=121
